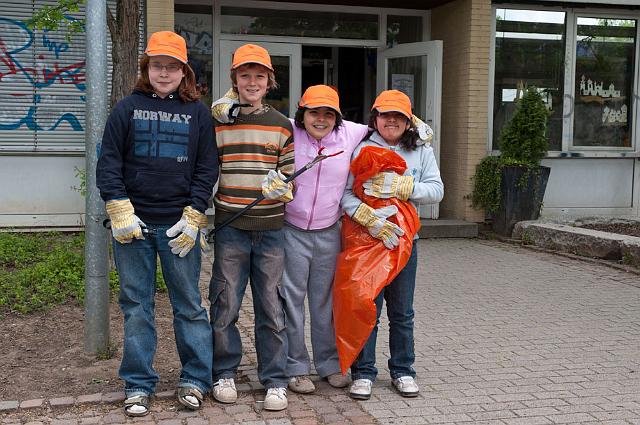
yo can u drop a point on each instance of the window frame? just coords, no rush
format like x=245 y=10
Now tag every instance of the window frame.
x=380 y=12
x=568 y=149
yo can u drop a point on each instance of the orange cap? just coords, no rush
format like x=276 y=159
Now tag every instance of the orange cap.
x=393 y=101
x=320 y=96
x=167 y=43
x=251 y=53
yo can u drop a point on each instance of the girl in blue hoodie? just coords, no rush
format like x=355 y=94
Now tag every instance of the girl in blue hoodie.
x=156 y=170
x=421 y=184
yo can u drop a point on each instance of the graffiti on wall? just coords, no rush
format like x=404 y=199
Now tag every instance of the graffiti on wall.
x=39 y=91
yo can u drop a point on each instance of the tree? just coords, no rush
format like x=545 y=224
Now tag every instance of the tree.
x=123 y=28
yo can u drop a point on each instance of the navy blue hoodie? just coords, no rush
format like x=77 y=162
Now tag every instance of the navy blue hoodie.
x=159 y=153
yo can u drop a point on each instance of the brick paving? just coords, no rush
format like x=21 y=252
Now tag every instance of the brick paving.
x=504 y=335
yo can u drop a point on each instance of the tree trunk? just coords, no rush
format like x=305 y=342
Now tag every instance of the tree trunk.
x=124 y=47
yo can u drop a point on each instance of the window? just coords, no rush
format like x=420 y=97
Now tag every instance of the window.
x=299 y=23
x=532 y=47
x=403 y=29
x=195 y=24
x=604 y=82
x=529 y=52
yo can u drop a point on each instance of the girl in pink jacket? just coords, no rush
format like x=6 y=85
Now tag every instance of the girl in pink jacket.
x=312 y=234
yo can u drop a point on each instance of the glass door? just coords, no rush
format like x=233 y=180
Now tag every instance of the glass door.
x=287 y=63
x=416 y=70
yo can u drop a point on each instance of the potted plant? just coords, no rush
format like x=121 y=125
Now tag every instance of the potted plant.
x=511 y=186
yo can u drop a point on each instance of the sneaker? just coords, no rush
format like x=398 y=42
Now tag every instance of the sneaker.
x=301 y=384
x=224 y=390
x=276 y=399
x=406 y=386
x=361 y=389
x=338 y=380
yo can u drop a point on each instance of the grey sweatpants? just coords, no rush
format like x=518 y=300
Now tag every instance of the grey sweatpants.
x=310 y=262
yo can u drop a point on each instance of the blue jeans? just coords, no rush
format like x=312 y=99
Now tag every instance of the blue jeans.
x=399 y=298
x=136 y=264
x=258 y=257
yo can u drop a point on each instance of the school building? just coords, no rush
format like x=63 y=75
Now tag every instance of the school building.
x=462 y=62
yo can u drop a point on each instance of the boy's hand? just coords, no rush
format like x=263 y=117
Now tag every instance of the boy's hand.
x=274 y=187
x=188 y=227
x=377 y=224
x=389 y=185
x=125 y=225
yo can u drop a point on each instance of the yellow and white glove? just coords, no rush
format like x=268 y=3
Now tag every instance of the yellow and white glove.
x=125 y=225
x=202 y=225
x=188 y=227
x=274 y=187
x=221 y=107
x=425 y=133
x=377 y=224
x=389 y=185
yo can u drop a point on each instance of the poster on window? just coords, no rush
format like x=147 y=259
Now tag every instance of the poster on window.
x=403 y=83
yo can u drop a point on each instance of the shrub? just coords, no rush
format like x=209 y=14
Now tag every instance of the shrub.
x=523 y=142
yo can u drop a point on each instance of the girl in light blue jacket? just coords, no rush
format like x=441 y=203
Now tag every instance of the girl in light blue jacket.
x=420 y=184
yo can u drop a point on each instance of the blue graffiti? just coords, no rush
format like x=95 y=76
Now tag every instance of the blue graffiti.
x=54 y=46
x=39 y=74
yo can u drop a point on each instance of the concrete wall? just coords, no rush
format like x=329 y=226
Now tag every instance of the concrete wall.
x=38 y=191
x=159 y=16
x=465 y=28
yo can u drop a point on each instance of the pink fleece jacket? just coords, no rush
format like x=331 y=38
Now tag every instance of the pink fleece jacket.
x=316 y=201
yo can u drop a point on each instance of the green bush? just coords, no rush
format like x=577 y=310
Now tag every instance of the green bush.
x=523 y=142
x=40 y=270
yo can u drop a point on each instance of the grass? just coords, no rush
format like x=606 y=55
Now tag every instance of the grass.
x=41 y=270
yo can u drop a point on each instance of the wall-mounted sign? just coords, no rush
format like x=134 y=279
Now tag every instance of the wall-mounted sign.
x=403 y=83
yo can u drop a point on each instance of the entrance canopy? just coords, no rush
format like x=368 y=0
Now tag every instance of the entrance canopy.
x=404 y=4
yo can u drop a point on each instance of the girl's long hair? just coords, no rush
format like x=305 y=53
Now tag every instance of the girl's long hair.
x=407 y=140
x=187 y=91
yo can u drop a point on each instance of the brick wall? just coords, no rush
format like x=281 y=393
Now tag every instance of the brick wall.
x=465 y=28
x=159 y=15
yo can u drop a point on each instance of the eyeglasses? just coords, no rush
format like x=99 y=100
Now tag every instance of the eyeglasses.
x=171 y=68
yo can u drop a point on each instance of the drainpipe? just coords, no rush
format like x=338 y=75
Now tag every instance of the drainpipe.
x=96 y=269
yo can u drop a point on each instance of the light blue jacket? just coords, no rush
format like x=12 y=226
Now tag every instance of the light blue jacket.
x=421 y=164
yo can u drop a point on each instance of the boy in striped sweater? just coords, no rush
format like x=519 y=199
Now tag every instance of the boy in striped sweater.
x=256 y=155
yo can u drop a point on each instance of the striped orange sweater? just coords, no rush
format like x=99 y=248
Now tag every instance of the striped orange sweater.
x=248 y=149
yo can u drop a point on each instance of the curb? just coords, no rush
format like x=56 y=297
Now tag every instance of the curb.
x=13 y=406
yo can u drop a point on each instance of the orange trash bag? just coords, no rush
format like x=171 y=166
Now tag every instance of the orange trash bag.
x=365 y=266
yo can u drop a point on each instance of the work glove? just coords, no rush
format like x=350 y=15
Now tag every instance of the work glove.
x=202 y=225
x=125 y=225
x=274 y=187
x=223 y=109
x=187 y=227
x=377 y=224
x=425 y=133
x=389 y=185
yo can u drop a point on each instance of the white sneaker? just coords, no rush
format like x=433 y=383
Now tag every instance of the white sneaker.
x=276 y=399
x=361 y=389
x=224 y=390
x=406 y=386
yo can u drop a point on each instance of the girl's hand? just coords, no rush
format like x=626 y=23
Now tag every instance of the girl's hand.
x=389 y=185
